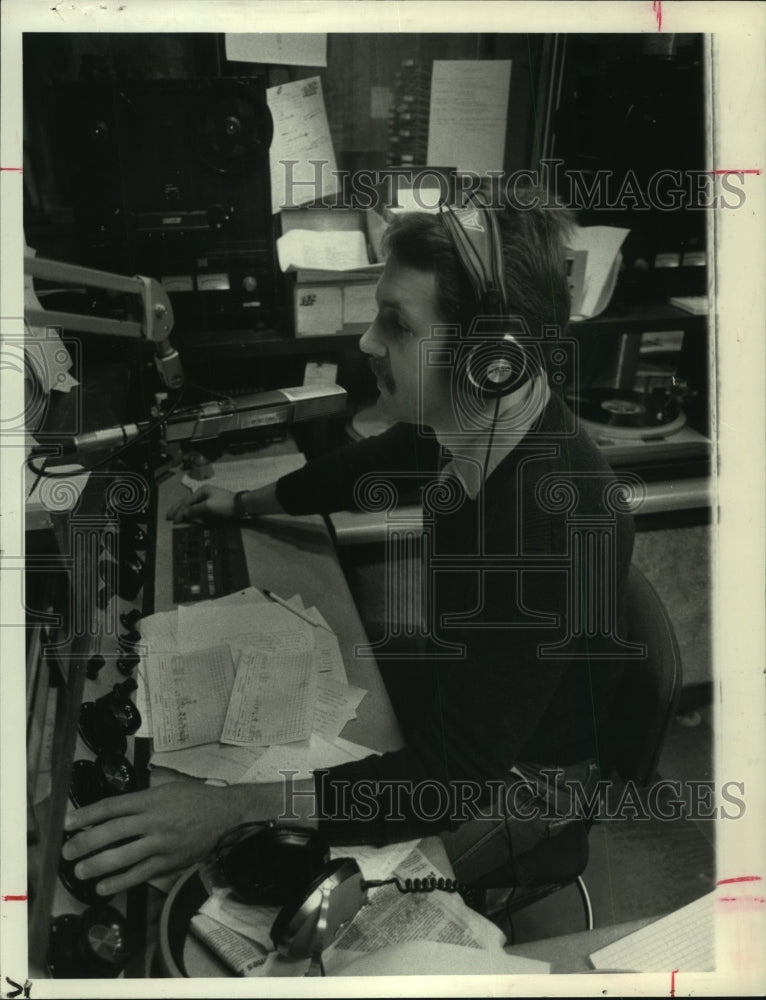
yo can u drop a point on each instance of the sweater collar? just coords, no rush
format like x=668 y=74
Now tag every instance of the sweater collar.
x=468 y=459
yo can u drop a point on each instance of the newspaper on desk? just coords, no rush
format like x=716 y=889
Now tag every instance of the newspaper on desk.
x=388 y=919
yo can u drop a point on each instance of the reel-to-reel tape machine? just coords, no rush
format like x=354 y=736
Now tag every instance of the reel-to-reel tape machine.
x=170 y=178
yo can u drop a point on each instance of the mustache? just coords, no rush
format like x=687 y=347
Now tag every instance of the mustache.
x=382 y=371
x=379 y=367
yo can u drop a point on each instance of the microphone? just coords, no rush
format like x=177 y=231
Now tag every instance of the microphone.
x=210 y=420
x=109 y=437
x=262 y=409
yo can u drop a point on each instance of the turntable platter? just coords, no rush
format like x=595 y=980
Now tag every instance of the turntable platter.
x=621 y=413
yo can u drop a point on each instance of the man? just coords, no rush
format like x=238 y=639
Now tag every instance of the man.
x=517 y=684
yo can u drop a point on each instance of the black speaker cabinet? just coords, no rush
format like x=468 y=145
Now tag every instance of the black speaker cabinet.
x=170 y=178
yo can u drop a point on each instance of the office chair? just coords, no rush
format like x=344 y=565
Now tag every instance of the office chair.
x=645 y=702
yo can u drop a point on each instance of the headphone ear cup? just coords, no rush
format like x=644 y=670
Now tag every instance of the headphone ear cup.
x=495 y=367
x=294 y=929
x=268 y=867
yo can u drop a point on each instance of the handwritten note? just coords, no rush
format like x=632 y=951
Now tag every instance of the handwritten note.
x=189 y=695
x=273 y=699
x=468 y=114
x=159 y=634
x=336 y=705
x=301 y=135
x=267 y=627
x=327 y=655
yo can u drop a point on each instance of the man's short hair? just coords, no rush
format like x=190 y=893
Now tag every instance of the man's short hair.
x=532 y=237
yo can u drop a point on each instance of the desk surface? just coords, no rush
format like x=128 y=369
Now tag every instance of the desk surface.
x=569 y=952
x=288 y=554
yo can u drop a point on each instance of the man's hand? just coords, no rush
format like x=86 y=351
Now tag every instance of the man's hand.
x=168 y=828
x=172 y=826
x=207 y=501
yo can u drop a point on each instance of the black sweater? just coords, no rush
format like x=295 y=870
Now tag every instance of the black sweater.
x=502 y=702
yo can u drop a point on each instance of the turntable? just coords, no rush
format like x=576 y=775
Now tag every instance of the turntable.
x=632 y=427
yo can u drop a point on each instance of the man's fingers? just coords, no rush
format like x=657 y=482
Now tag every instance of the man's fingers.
x=102 y=835
x=116 y=858
x=184 y=508
x=104 y=809
x=134 y=876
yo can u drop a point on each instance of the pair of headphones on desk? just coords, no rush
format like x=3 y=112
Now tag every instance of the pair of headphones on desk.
x=290 y=867
x=495 y=361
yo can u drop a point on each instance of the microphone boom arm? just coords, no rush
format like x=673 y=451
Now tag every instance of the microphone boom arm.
x=157 y=312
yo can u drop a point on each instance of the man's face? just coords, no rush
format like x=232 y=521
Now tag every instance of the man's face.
x=406 y=314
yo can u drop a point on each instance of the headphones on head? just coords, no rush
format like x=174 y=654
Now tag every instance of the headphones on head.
x=496 y=362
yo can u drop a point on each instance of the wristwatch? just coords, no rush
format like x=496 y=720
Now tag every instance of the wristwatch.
x=239 y=505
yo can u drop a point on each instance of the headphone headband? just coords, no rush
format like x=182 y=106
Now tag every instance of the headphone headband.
x=495 y=364
x=475 y=234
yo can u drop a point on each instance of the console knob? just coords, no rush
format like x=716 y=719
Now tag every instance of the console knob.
x=127 y=664
x=95 y=663
x=134 y=535
x=106 y=723
x=129 y=638
x=128 y=619
x=93 y=945
x=131 y=577
x=110 y=774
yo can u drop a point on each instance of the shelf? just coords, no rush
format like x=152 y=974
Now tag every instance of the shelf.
x=264 y=343
x=261 y=343
x=639 y=319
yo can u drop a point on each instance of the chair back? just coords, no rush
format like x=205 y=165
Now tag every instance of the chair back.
x=648 y=691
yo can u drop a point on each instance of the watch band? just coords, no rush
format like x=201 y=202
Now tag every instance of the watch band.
x=239 y=505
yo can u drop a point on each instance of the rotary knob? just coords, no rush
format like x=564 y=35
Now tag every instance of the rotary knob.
x=92 y=945
x=106 y=723
x=128 y=663
x=110 y=774
x=129 y=619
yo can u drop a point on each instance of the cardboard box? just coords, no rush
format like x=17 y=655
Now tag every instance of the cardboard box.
x=318 y=310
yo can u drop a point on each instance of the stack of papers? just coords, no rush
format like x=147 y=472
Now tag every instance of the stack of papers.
x=237 y=689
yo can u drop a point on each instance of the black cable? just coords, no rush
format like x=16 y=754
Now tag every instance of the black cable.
x=42 y=473
x=428 y=884
x=491 y=439
x=508 y=917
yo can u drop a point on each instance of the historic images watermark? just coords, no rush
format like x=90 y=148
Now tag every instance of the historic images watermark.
x=549 y=798
x=665 y=190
